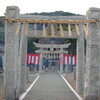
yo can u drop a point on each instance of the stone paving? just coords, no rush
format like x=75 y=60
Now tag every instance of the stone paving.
x=50 y=86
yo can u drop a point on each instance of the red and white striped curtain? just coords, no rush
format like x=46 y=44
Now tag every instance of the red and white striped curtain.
x=67 y=60
x=33 y=58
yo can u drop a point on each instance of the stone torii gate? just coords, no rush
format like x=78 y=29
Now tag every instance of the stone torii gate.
x=16 y=33
x=59 y=51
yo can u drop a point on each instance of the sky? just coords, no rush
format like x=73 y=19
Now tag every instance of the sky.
x=31 y=6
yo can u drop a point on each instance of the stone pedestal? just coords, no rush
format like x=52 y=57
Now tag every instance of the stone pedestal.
x=93 y=57
x=11 y=55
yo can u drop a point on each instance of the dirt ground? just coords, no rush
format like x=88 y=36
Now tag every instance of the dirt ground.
x=70 y=79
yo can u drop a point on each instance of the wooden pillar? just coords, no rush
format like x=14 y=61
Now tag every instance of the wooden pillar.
x=93 y=53
x=11 y=54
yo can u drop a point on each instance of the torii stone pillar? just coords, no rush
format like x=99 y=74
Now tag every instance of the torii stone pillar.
x=61 y=63
x=93 y=60
x=22 y=58
x=80 y=62
x=11 y=52
x=40 y=63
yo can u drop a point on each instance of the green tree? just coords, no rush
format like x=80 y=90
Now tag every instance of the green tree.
x=30 y=46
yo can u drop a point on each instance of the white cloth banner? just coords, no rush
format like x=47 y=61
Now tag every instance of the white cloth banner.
x=29 y=59
x=32 y=61
x=66 y=60
x=36 y=60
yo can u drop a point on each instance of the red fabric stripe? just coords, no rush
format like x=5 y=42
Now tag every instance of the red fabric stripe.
x=67 y=57
x=31 y=58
